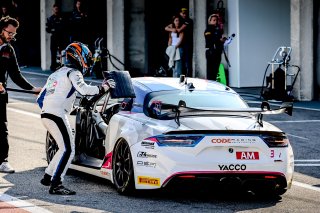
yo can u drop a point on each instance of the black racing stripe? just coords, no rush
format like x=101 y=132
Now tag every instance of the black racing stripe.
x=65 y=135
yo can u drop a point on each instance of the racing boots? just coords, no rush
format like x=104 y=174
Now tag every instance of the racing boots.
x=46 y=180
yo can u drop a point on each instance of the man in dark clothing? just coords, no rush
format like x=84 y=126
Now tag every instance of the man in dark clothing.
x=56 y=26
x=187 y=45
x=8 y=66
x=214 y=47
x=79 y=24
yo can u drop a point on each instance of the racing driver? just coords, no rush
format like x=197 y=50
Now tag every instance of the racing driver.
x=56 y=101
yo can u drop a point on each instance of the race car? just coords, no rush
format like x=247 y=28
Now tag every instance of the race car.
x=156 y=132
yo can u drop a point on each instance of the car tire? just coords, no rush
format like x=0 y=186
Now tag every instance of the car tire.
x=123 y=175
x=51 y=147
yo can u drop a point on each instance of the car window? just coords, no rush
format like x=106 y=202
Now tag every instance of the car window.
x=199 y=99
x=111 y=101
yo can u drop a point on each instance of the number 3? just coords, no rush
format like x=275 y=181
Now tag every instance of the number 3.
x=272 y=153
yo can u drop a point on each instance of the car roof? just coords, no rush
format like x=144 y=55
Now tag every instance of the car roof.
x=151 y=84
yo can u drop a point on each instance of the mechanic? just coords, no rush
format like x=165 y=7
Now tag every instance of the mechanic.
x=8 y=66
x=214 y=46
x=56 y=101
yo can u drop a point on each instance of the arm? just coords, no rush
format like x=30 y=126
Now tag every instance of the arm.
x=77 y=81
x=14 y=71
x=182 y=28
x=170 y=28
x=48 y=25
x=169 y=40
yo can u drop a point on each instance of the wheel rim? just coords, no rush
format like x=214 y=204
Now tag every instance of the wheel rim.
x=52 y=147
x=122 y=165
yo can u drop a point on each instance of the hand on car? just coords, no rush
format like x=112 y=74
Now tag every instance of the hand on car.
x=107 y=84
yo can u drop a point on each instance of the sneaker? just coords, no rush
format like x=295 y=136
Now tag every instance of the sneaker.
x=46 y=180
x=6 y=168
x=61 y=190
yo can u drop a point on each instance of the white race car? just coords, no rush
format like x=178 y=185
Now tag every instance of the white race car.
x=153 y=132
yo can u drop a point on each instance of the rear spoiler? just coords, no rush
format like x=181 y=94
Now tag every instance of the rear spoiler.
x=163 y=111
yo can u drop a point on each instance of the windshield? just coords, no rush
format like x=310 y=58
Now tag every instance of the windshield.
x=199 y=99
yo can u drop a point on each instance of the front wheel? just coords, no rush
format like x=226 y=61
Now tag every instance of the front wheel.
x=122 y=165
x=51 y=147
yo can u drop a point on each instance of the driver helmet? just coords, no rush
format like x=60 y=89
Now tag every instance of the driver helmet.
x=78 y=56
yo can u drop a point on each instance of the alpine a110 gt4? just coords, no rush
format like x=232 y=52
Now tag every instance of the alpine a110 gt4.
x=153 y=132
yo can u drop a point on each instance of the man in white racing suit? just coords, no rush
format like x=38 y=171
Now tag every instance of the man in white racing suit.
x=56 y=100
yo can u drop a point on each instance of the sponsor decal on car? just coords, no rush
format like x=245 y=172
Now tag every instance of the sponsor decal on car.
x=147 y=144
x=148 y=180
x=233 y=167
x=104 y=173
x=146 y=164
x=247 y=155
x=225 y=140
x=276 y=154
x=145 y=155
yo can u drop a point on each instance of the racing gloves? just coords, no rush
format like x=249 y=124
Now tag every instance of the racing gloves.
x=106 y=85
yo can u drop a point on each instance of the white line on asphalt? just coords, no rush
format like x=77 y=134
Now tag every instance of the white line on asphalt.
x=47 y=75
x=22 y=204
x=307 y=160
x=34 y=73
x=307 y=164
x=307 y=186
x=294 y=107
x=297 y=136
x=299 y=121
x=32 y=114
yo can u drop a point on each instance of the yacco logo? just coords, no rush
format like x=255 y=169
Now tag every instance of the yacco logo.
x=233 y=167
x=247 y=155
x=148 y=180
x=233 y=140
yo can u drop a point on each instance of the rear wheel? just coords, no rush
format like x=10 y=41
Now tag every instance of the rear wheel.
x=122 y=165
x=51 y=147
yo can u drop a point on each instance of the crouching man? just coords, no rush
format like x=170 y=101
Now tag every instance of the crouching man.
x=56 y=100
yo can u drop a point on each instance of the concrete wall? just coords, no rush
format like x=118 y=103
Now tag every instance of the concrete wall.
x=115 y=30
x=199 y=16
x=317 y=50
x=302 y=42
x=260 y=27
x=45 y=11
x=135 y=35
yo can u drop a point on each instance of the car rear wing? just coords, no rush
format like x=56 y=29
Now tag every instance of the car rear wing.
x=163 y=111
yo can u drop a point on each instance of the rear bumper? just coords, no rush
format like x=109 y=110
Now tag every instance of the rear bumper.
x=253 y=181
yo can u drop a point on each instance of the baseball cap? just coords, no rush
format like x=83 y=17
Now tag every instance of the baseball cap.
x=184 y=9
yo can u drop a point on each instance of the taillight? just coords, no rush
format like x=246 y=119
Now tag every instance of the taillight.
x=176 y=140
x=276 y=141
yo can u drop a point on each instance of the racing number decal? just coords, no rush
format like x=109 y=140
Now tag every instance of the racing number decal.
x=272 y=153
x=275 y=154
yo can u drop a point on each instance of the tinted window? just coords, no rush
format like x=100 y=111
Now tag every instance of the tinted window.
x=199 y=99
